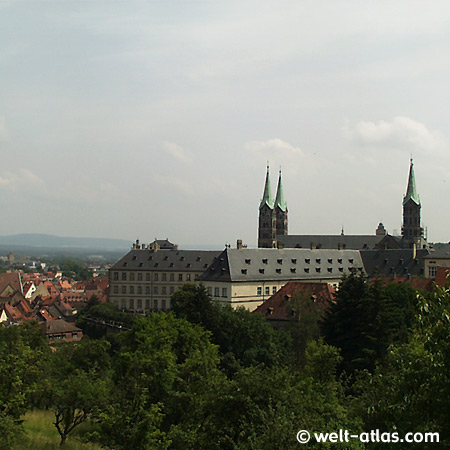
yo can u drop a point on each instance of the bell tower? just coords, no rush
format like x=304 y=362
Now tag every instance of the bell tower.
x=412 y=231
x=267 y=218
x=281 y=212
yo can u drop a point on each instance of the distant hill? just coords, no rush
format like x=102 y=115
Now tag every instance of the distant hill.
x=59 y=242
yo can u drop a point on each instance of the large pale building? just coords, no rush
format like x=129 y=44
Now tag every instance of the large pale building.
x=248 y=277
x=146 y=277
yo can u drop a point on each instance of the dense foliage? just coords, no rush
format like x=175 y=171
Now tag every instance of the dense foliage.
x=205 y=377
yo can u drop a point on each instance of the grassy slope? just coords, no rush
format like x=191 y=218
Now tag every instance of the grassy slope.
x=41 y=434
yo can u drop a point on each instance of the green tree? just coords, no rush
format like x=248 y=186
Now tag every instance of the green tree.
x=162 y=363
x=365 y=319
x=78 y=384
x=23 y=351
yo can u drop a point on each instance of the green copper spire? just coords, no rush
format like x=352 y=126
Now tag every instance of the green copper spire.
x=411 y=193
x=267 y=197
x=279 y=200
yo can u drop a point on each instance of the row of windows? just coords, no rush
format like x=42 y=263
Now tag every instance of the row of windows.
x=131 y=276
x=139 y=303
x=307 y=261
x=217 y=292
x=259 y=290
x=294 y=270
x=138 y=290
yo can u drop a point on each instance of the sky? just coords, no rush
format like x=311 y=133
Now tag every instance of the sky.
x=143 y=119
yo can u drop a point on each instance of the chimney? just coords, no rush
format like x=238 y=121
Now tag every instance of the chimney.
x=239 y=244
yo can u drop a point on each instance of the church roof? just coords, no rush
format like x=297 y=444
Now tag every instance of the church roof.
x=267 y=196
x=279 y=200
x=349 y=242
x=411 y=192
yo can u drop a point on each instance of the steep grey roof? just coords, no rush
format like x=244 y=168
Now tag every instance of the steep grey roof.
x=393 y=262
x=166 y=260
x=441 y=253
x=349 y=242
x=285 y=264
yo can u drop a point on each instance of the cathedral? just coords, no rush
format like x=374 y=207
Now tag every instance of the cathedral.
x=273 y=225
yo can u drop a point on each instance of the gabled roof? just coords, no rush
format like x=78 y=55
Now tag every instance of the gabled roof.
x=263 y=264
x=267 y=195
x=398 y=262
x=349 y=242
x=59 y=326
x=441 y=253
x=281 y=305
x=411 y=192
x=166 y=261
x=10 y=279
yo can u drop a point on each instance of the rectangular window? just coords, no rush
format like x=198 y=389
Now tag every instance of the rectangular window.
x=180 y=277
x=155 y=289
x=267 y=290
x=163 y=305
x=116 y=276
x=131 y=289
x=123 y=303
x=432 y=270
x=147 y=304
x=147 y=276
x=139 y=276
x=124 y=276
x=274 y=290
x=116 y=289
x=259 y=290
x=147 y=289
x=188 y=277
x=172 y=277
x=155 y=277
x=124 y=289
x=131 y=303
x=171 y=289
x=139 y=291
x=139 y=304
x=216 y=292
x=131 y=276
x=196 y=277
x=224 y=292
x=209 y=290
x=163 y=290
x=155 y=305
x=164 y=277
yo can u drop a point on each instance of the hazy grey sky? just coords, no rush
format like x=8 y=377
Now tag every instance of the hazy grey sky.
x=156 y=118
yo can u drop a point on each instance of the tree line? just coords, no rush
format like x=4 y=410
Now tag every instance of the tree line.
x=209 y=377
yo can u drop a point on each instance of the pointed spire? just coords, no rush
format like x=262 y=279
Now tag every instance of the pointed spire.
x=279 y=200
x=267 y=196
x=411 y=192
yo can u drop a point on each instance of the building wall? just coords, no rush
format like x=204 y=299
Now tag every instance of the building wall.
x=146 y=290
x=250 y=294
x=431 y=266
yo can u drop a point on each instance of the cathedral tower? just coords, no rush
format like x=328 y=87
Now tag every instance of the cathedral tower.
x=412 y=232
x=267 y=218
x=281 y=212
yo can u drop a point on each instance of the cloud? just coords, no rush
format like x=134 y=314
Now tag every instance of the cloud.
x=273 y=147
x=177 y=151
x=23 y=179
x=401 y=132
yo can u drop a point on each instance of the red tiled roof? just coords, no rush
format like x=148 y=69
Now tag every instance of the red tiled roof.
x=11 y=279
x=280 y=306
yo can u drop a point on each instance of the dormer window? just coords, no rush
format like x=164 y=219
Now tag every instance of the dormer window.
x=261 y=270
x=350 y=260
x=317 y=269
x=278 y=270
x=293 y=269
x=340 y=260
x=294 y=261
x=307 y=260
x=248 y=261
x=244 y=271
x=134 y=258
x=306 y=269
x=330 y=261
x=264 y=261
x=188 y=265
x=341 y=269
x=330 y=270
x=280 y=261
x=318 y=260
